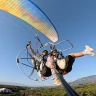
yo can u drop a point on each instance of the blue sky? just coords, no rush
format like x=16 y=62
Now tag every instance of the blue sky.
x=75 y=20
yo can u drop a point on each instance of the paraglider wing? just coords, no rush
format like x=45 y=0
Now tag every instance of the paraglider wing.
x=30 y=13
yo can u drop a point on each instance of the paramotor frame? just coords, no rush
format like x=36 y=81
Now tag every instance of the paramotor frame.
x=28 y=62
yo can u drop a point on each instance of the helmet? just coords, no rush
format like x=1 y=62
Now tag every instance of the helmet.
x=45 y=51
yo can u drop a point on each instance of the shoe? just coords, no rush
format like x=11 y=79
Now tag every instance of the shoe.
x=57 y=81
x=89 y=50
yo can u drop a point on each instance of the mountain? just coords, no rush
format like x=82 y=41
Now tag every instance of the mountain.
x=80 y=81
x=9 y=83
x=84 y=80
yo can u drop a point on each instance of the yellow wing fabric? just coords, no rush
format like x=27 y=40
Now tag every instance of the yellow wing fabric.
x=30 y=13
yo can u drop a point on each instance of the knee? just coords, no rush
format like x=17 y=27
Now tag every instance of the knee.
x=72 y=55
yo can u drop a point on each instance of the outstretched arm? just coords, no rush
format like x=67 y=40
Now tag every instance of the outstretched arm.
x=31 y=56
x=29 y=46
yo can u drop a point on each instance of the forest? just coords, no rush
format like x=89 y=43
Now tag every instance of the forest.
x=83 y=90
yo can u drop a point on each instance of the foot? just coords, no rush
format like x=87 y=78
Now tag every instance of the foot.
x=57 y=81
x=89 y=50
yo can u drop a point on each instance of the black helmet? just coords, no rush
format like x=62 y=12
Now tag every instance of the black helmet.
x=45 y=51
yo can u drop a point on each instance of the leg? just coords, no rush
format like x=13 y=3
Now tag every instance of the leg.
x=88 y=51
x=53 y=74
x=55 y=77
x=70 y=60
x=75 y=55
x=49 y=64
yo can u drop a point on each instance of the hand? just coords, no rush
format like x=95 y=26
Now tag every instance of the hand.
x=29 y=45
x=52 y=66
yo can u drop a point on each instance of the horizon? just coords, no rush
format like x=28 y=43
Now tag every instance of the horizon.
x=20 y=84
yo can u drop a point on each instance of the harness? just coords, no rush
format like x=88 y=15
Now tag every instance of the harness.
x=41 y=65
x=46 y=71
x=61 y=71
